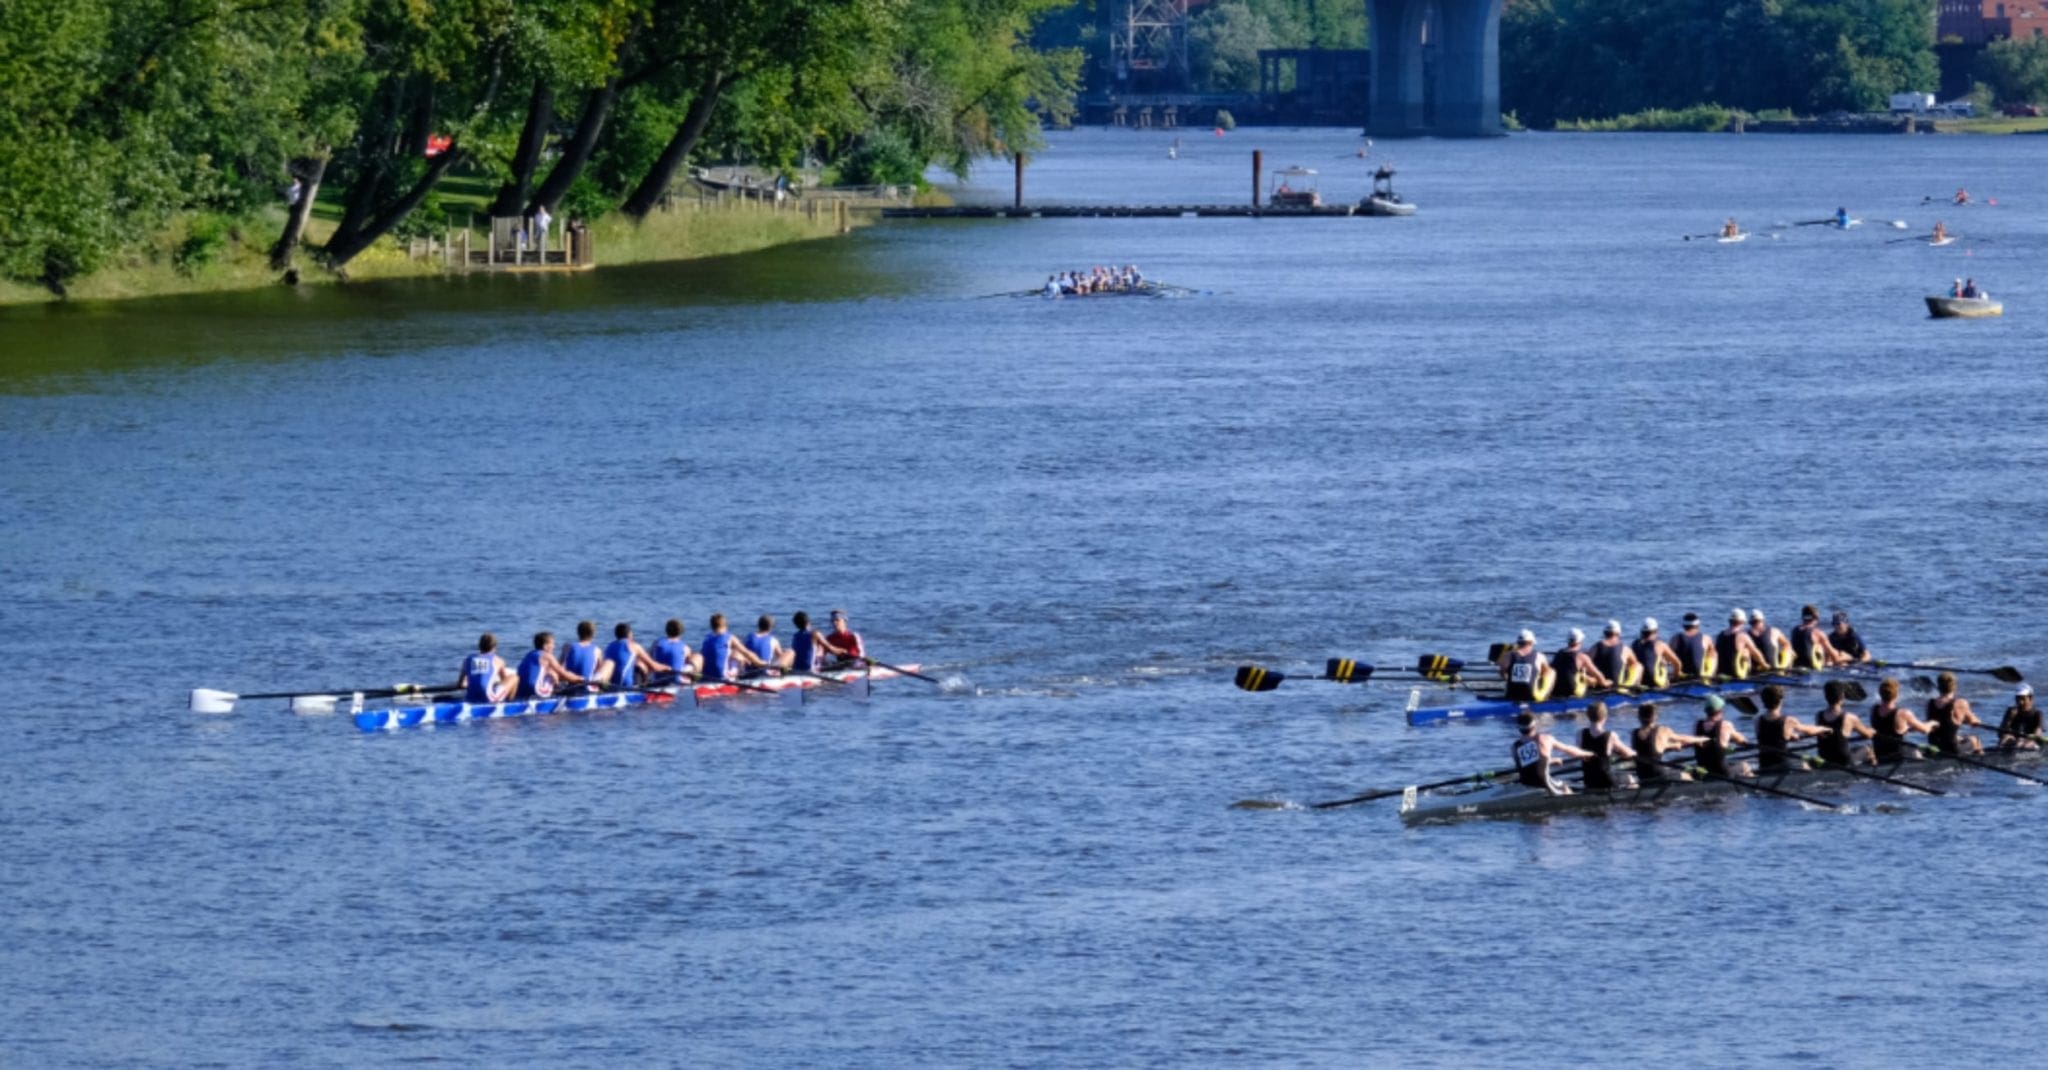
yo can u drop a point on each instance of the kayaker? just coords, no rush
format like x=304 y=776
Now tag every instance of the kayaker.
x=2020 y=728
x=1846 y=642
x=1734 y=649
x=1652 y=741
x=1535 y=752
x=1572 y=664
x=1842 y=218
x=1777 y=649
x=1521 y=666
x=1660 y=663
x=1602 y=746
x=1949 y=712
x=1776 y=732
x=540 y=670
x=1615 y=660
x=484 y=677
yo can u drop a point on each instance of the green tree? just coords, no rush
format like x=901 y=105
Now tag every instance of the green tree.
x=2016 y=70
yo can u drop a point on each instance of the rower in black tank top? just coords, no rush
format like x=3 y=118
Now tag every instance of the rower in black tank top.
x=1834 y=747
x=1649 y=767
x=1708 y=752
x=1889 y=742
x=1947 y=726
x=1771 y=754
x=1597 y=772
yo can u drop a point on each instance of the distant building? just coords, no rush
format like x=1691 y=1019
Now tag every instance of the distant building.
x=1979 y=22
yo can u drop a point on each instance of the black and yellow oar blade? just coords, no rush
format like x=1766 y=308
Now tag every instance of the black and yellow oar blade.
x=1346 y=671
x=1253 y=678
x=1743 y=703
x=1854 y=691
x=2008 y=674
x=1438 y=666
x=1494 y=652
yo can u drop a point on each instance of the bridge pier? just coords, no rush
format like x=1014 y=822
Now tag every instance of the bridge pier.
x=1457 y=95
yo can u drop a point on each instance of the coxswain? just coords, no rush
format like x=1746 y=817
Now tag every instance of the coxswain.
x=1718 y=735
x=1949 y=712
x=1574 y=668
x=672 y=652
x=1838 y=727
x=1735 y=651
x=1940 y=232
x=1694 y=651
x=1615 y=660
x=484 y=676
x=2020 y=728
x=1776 y=732
x=540 y=671
x=1535 y=752
x=1652 y=741
x=1730 y=230
x=805 y=644
x=1776 y=648
x=1521 y=666
x=1846 y=642
x=763 y=645
x=1660 y=663
x=1810 y=646
x=722 y=656
x=585 y=658
x=843 y=643
x=627 y=661
x=1602 y=746
x=1889 y=723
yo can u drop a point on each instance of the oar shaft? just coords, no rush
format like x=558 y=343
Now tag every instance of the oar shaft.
x=897 y=669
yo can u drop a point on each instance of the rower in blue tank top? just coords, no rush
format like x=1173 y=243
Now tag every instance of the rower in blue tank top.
x=629 y=661
x=722 y=656
x=803 y=645
x=539 y=671
x=763 y=645
x=485 y=678
x=583 y=656
x=673 y=653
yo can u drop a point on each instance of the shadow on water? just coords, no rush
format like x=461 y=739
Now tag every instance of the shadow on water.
x=43 y=346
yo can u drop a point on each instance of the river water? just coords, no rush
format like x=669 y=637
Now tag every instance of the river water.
x=1530 y=405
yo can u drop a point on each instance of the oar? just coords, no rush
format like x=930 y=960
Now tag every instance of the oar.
x=1697 y=237
x=897 y=669
x=1751 y=785
x=1817 y=762
x=1930 y=752
x=2006 y=673
x=208 y=700
x=1487 y=777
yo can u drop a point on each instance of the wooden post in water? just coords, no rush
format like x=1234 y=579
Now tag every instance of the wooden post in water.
x=1258 y=164
x=1019 y=200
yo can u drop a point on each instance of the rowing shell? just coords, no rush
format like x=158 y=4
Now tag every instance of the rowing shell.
x=1730 y=239
x=1481 y=710
x=396 y=717
x=1516 y=800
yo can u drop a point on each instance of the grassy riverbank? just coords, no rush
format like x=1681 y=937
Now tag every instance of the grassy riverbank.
x=199 y=254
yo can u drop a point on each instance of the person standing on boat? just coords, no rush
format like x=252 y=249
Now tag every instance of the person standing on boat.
x=1602 y=746
x=1810 y=646
x=627 y=661
x=1839 y=727
x=722 y=655
x=1776 y=732
x=1846 y=642
x=1694 y=651
x=1660 y=663
x=1615 y=660
x=843 y=643
x=2020 y=728
x=1652 y=741
x=1776 y=648
x=1889 y=723
x=764 y=646
x=484 y=676
x=1522 y=667
x=1535 y=752
x=672 y=652
x=1718 y=735
x=1736 y=653
x=1574 y=670
x=584 y=658
x=1949 y=712
x=540 y=671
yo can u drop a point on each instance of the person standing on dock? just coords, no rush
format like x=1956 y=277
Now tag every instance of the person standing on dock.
x=540 y=671
x=1615 y=660
x=484 y=678
x=678 y=662
x=1949 y=712
x=1660 y=663
x=1535 y=752
x=628 y=661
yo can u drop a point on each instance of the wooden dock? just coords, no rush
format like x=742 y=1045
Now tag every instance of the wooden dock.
x=1125 y=211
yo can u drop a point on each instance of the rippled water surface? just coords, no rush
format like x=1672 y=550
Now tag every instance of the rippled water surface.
x=1531 y=405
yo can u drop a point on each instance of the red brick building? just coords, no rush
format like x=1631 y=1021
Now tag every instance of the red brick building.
x=1975 y=22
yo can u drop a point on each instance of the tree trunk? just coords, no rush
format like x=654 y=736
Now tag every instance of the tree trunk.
x=344 y=246
x=577 y=152
x=540 y=114
x=652 y=187
x=309 y=171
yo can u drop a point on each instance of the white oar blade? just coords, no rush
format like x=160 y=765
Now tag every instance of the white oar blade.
x=313 y=703
x=207 y=700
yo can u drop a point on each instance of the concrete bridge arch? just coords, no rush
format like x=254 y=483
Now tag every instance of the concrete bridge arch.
x=1435 y=68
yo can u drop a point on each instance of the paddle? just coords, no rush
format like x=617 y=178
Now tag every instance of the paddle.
x=897 y=669
x=1930 y=752
x=208 y=700
x=1817 y=762
x=2005 y=673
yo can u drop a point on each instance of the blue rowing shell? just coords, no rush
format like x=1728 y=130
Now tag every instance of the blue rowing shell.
x=454 y=712
x=1480 y=710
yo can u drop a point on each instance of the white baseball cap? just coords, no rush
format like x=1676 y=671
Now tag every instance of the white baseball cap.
x=2023 y=691
x=1613 y=627
x=1577 y=635
x=1527 y=636
x=1649 y=625
x=1756 y=615
x=1736 y=616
